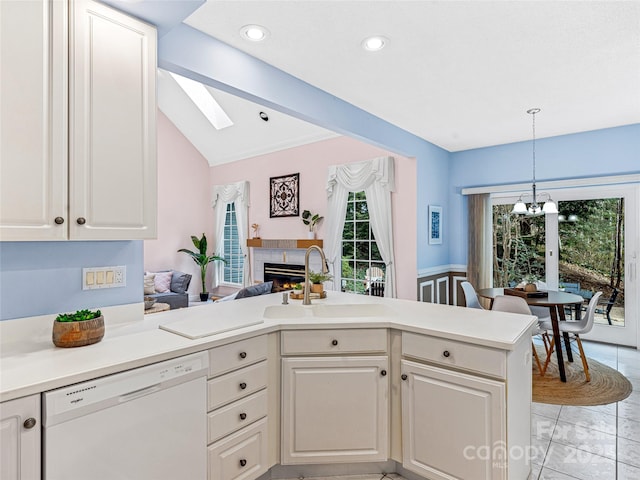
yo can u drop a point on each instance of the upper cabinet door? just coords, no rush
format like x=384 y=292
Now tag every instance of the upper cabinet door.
x=33 y=120
x=112 y=125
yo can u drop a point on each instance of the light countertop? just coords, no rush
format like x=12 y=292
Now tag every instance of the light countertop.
x=30 y=363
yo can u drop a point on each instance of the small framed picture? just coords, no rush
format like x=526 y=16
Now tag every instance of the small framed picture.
x=435 y=225
x=284 y=196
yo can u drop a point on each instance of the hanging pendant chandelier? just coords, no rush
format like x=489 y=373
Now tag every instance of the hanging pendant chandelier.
x=535 y=208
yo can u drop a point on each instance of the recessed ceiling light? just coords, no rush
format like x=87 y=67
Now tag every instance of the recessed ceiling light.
x=264 y=116
x=255 y=33
x=375 y=43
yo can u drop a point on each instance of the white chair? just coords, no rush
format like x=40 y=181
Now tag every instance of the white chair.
x=512 y=304
x=574 y=329
x=470 y=296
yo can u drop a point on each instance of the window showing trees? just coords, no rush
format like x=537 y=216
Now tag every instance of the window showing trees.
x=231 y=251
x=362 y=265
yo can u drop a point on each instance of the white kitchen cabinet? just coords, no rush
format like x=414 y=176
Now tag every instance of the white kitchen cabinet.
x=335 y=409
x=237 y=418
x=465 y=409
x=20 y=439
x=78 y=123
x=452 y=423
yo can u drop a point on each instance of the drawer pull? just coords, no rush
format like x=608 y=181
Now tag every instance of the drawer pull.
x=29 y=423
x=59 y=220
x=243 y=386
x=81 y=221
x=404 y=376
x=243 y=416
x=334 y=342
x=383 y=373
x=243 y=462
x=243 y=355
x=446 y=354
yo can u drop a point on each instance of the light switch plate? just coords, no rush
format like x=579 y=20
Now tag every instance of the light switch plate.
x=104 y=277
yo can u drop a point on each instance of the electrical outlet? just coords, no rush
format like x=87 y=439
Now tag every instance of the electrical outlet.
x=104 y=277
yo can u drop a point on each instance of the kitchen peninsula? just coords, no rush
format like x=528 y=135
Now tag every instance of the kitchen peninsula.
x=438 y=390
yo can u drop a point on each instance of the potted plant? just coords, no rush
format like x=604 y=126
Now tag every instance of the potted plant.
x=83 y=327
x=530 y=283
x=297 y=288
x=311 y=220
x=202 y=259
x=317 y=280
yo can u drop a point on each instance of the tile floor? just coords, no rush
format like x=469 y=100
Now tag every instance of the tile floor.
x=601 y=442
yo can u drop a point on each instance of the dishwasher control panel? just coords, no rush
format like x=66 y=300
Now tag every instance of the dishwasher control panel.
x=64 y=403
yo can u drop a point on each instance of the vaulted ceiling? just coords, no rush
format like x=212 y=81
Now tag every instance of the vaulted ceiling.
x=460 y=74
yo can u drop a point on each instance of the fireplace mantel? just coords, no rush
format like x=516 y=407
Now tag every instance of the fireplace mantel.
x=282 y=243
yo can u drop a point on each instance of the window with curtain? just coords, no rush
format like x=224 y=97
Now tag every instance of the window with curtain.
x=362 y=265
x=233 y=270
x=371 y=181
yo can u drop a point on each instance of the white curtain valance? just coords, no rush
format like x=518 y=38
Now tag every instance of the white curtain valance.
x=358 y=176
x=231 y=192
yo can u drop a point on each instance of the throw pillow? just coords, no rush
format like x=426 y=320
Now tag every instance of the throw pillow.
x=149 y=284
x=162 y=282
x=180 y=282
x=255 y=290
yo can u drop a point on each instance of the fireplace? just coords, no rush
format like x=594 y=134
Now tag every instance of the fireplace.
x=283 y=275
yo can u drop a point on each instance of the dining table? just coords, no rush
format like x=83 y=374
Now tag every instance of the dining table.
x=556 y=302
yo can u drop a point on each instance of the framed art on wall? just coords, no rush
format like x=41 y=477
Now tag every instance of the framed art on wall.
x=284 y=196
x=435 y=225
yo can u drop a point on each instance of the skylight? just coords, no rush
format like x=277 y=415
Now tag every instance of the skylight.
x=202 y=99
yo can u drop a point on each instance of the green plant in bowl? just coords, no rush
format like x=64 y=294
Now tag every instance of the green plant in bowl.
x=78 y=316
x=319 y=277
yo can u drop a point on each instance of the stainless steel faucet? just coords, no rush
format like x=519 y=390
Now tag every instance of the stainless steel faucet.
x=307 y=288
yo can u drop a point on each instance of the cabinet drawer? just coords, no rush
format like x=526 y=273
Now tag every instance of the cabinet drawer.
x=235 y=385
x=238 y=354
x=236 y=415
x=314 y=342
x=455 y=354
x=240 y=456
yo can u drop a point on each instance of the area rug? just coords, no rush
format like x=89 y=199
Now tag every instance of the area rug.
x=607 y=385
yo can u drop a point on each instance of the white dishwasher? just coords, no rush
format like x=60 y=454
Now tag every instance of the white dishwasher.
x=149 y=423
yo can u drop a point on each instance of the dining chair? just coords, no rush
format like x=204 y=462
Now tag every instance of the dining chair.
x=513 y=304
x=574 y=329
x=470 y=296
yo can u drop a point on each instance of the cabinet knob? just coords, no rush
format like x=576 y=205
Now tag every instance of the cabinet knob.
x=243 y=386
x=404 y=376
x=334 y=342
x=59 y=220
x=243 y=462
x=81 y=221
x=243 y=354
x=383 y=373
x=446 y=354
x=243 y=416
x=29 y=422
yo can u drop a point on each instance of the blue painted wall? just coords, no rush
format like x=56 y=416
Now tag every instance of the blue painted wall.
x=611 y=151
x=39 y=278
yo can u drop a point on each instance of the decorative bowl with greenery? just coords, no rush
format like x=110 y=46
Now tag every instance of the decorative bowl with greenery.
x=202 y=259
x=83 y=327
x=297 y=288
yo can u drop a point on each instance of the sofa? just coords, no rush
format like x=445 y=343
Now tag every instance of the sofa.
x=168 y=286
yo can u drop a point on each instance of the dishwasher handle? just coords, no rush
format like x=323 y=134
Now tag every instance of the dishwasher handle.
x=139 y=393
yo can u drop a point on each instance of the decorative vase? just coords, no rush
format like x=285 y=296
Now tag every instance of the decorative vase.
x=78 y=334
x=204 y=297
x=317 y=288
x=530 y=287
x=311 y=235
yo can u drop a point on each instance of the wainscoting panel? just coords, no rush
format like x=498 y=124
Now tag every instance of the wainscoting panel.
x=442 y=287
